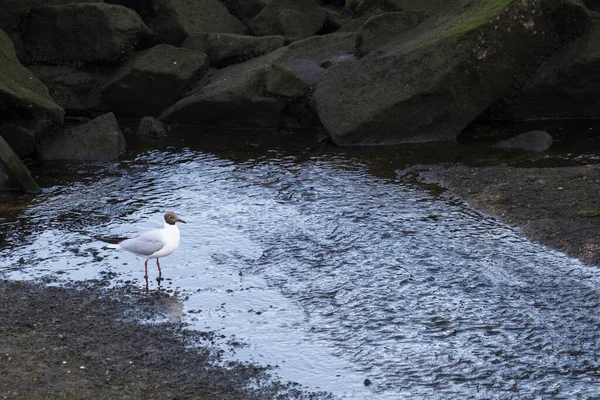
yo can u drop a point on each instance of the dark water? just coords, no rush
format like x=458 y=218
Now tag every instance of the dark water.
x=333 y=268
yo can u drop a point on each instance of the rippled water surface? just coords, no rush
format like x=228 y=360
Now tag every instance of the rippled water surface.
x=331 y=273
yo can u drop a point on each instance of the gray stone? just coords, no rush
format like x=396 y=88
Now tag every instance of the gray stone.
x=237 y=96
x=81 y=32
x=275 y=19
x=150 y=127
x=537 y=141
x=227 y=48
x=378 y=30
x=174 y=20
x=76 y=89
x=26 y=106
x=245 y=10
x=153 y=80
x=565 y=87
x=98 y=140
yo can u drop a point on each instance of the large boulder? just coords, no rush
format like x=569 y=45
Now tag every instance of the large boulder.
x=98 y=140
x=233 y=98
x=27 y=109
x=81 y=32
x=294 y=19
x=245 y=10
x=174 y=20
x=228 y=48
x=296 y=71
x=378 y=30
x=11 y=11
x=153 y=80
x=254 y=93
x=430 y=82
x=76 y=89
x=566 y=86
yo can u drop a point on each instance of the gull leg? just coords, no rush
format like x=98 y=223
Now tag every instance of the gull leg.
x=146 y=276
x=159 y=279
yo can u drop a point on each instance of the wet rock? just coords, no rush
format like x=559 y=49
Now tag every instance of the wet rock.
x=537 y=141
x=28 y=110
x=237 y=96
x=150 y=127
x=227 y=48
x=566 y=86
x=295 y=19
x=430 y=82
x=76 y=89
x=378 y=30
x=174 y=20
x=81 y=32
x=153 y=80
x=98 y=140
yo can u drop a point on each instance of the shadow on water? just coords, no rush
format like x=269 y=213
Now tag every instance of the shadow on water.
x=327 y=263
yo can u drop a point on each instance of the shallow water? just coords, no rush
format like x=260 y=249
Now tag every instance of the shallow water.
x=330 y=269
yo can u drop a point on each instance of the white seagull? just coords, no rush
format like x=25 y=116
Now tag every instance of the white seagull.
x=154 y=244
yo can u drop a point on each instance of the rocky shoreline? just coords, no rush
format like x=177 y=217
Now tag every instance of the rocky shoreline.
x=86 y=342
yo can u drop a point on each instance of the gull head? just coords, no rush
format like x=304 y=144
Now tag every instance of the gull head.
x=171 y=218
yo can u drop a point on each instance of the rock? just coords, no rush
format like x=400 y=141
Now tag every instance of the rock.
x=306 y=18
x=227 y=48
x=174 y=20
x=27 y=108
x=592 y=4
x=21 y=137
x=153 y=80
x=12 y=170
x=233 y=98
x=81 y=32
x=150 y=127
x=378 y=30
x=98 y=140
x=76 y=89
x=236 y=96
x=538 y=141
x=431 y=7
x=430 y=82
x=11 y=11
x=364 y=7
x=297 y=70
x=566 y=86
x=245 y=10
x=354 y=25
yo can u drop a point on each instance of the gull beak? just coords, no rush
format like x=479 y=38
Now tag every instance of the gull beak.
x=180 y=220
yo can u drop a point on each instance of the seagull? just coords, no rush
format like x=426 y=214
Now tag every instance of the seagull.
x=156 y=243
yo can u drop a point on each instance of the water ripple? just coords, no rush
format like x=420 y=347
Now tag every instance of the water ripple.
x=336 y=275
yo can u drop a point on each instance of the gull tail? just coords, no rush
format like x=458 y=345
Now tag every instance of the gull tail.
x=113 y=242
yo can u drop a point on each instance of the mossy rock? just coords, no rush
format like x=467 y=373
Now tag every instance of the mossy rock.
x=25 y=102
x=234 y=95
x=430 y=82
x=153 y=80
x=588 y=213
x=225 y=49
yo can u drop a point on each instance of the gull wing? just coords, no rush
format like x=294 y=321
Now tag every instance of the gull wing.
x=145 y=244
